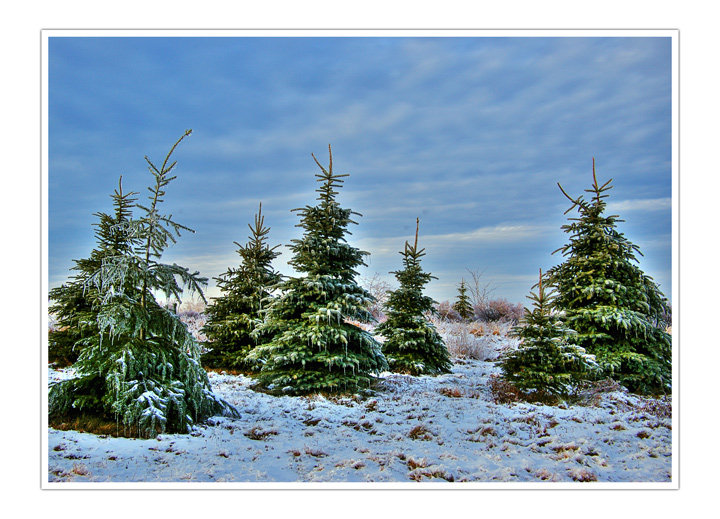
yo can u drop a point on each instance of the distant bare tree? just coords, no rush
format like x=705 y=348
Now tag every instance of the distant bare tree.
x=379 y=289
x=479 y=292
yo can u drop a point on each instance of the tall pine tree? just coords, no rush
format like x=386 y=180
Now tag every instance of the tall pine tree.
x=75 y=304
x=617 y=310
x=547 y=362
x=462 y=306
x=141 y=369
x=233 y=317
x=314 y=347
x=412 y=343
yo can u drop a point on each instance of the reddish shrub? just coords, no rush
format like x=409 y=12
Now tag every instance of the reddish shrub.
x=499 y=310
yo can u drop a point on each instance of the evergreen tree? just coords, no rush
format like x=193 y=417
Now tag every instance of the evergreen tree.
x=546 y=361
x=412 y=343
x=75 y=304
x=462 y=306
x=314 y=346
x=246 y=290
x=141 y=369
x=617 y=310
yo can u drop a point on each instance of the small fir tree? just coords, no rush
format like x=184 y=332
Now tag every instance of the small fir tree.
x=232 y=318
x=547 y=362
x=75 y=304
x=412 y=343
x=315 y=347
x=142 y=367
x=617 y=310
x=462 y=306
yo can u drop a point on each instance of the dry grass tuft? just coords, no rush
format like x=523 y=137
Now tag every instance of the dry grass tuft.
x=413 y=463
x=582 y=475
x=503 y=392
x=545 y=475
x=420 y=432
x=661 y=407
x=317 y=453
x=451 y=392
x=256 y=433
x=419 y=474
x=80 y=469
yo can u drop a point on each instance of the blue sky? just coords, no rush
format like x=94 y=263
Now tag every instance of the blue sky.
x=469 y=134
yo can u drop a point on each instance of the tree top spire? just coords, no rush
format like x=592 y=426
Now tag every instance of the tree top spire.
x=417 y=229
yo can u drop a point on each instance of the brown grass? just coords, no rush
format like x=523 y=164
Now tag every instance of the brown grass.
x=582 y=475
x=94 y=424
x=80 y=469
x=413 y=464
x=315 y=452
x=503 y=392
x=451 y=392
x=420 y=432
x=256 y=433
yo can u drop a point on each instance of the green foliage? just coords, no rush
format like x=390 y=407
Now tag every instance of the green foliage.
x=315 y=347
x=246 y=290
x=617 y=310
x=141 y=365
x=462 y=306
x=546 y=363
x=412 y=343
x=75 y=304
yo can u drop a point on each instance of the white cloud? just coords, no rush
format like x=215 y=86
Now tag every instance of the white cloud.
x=491 y=234
x=640 y=204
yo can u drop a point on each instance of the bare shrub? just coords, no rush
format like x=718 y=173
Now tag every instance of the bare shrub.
x=447 y=312
x=499 y=310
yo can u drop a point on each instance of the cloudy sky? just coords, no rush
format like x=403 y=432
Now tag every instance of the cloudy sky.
x=469 y=134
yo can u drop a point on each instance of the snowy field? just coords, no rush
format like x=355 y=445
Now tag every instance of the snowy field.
x=408 y=429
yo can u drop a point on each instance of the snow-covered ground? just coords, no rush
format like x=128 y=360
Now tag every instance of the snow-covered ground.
x=439 y=429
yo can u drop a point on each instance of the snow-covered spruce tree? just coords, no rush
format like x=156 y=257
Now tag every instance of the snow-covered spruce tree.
x=246 y=290
x=616 y=309
x=463 y=306
x=412 y=343
x=75 y=304
x=546 y=362
x=314 y=346
x=141 y=368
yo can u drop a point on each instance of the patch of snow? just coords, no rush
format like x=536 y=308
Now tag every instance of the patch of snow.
x=439 y=429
